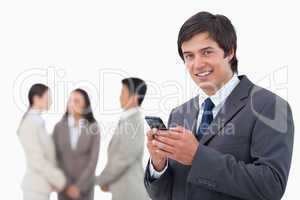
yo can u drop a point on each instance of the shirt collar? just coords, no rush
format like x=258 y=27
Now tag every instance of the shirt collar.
x=34 y=111
x=127 y=113
x=220 y=96
x=71 y=121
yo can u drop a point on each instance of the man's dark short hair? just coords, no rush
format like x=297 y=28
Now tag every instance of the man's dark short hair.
x=137 y=87
x=219 y=29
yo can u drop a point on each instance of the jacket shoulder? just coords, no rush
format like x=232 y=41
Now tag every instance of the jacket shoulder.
x=262 y=96
x=59 y=124
x=192 y=103
x=32 y=121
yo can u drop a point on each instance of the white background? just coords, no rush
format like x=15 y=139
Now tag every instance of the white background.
x=69 y=44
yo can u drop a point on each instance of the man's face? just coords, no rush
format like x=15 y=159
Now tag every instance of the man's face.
x=205 y=62
x=124 y=96
x=126 y=100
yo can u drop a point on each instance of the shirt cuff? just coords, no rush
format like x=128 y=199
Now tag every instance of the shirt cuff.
x=154 y=173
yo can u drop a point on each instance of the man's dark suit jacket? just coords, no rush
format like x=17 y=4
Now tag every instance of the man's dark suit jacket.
x=245 y=154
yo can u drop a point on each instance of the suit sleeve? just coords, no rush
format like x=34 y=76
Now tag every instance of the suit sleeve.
x=87 y=177
x=35 y=156
x=161 y=188
x=131 y=146
x=266 y=176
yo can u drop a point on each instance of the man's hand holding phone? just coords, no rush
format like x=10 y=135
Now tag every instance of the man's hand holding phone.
x=176 y=143
x=159 y=160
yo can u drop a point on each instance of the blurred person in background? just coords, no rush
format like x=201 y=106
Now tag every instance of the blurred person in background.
x=77 y=140
x=123 y=174
x=42 y=175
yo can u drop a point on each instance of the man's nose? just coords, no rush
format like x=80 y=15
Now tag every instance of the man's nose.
x=199 y=62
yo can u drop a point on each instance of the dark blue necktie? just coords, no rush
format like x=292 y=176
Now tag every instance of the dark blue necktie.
x=206 y=119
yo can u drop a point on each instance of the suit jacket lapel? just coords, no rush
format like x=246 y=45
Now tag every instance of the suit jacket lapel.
x=115 y=135
x=233 y=104
x=66 y=137
x=192 y=117
x=81 y=137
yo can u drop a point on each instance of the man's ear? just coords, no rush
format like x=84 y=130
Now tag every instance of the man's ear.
x=230 y=55
x=136 y=99
x=133 y=99
x=35 y=98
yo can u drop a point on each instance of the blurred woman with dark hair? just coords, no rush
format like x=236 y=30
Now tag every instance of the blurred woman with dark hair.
x=77 y=141
x=42 y=176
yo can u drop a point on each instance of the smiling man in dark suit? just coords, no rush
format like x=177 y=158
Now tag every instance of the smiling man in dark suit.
x=232 y=141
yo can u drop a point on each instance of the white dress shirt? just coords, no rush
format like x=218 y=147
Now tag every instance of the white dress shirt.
x=74 y=131
x=218 y=99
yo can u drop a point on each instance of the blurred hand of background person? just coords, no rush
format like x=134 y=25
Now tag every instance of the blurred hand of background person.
x=104 y=188
x=73 y=192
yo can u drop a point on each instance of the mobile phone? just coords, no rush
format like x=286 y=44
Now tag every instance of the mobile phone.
x=155 y=122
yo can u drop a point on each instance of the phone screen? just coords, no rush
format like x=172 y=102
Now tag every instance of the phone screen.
x=155 y=122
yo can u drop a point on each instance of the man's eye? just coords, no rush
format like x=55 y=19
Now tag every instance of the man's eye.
x=206 y=53
x=188 y=57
